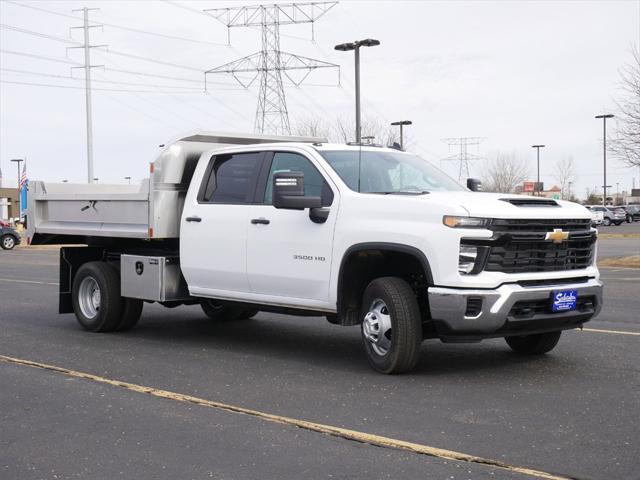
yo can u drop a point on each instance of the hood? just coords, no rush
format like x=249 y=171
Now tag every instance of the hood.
x=502 y=205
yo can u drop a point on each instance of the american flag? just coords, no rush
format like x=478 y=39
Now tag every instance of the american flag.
x=23 y=179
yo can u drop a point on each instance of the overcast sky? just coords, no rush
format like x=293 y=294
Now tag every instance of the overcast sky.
x=513 y=73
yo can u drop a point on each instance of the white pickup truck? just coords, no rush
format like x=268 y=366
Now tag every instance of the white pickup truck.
x=366 y=236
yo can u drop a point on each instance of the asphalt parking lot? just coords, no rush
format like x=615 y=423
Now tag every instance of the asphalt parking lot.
x=181 y=413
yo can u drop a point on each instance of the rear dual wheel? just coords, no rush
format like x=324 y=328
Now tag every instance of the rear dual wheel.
x=97 y=302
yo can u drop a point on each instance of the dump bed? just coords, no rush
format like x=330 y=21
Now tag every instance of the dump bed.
x=66 y=212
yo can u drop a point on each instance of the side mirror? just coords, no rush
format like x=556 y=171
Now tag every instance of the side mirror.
x=474 y=184
x=288 y=192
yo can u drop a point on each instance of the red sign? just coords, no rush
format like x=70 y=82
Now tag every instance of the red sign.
x=528 y=186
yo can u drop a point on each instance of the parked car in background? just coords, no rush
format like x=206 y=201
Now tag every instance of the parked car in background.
x=9 y=237
x=596 y=217
x=611 y=215
x=632 y=212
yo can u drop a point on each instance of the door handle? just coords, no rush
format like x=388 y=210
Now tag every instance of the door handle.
x=193 y=219
x=262 y=221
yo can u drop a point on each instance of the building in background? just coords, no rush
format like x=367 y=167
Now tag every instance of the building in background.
x=9 y=204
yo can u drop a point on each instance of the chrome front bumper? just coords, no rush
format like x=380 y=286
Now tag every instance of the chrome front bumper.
x=497 y=316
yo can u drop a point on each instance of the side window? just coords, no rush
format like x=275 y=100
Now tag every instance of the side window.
x=314 y=183
x=232 y=179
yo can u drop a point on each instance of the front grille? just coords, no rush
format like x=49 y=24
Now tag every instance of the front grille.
x=519 y=246
x=546 y=225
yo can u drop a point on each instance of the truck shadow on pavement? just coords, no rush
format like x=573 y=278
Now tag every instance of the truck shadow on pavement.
x=318 y=344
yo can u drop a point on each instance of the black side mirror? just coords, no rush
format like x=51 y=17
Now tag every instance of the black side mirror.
x=288 y=192
x=474 y=184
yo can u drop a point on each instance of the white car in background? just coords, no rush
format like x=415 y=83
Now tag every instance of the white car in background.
x=597 y=217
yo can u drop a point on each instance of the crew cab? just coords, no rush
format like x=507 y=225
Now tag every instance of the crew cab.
x=370 y=237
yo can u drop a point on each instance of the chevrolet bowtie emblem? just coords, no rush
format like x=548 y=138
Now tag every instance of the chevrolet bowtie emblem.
x=557 y=236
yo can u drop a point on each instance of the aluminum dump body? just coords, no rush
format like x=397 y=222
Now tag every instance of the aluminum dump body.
x=64 y=211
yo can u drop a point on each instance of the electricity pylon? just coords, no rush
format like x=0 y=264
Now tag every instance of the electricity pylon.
x=270 y=63
x=463 y=157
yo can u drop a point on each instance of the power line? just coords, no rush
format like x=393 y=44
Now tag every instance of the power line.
x=112 y=52
x=73 y=87
x=121 y=27
x=38 y=34
x=68 y=77
x=40 y=57
x=130 y=72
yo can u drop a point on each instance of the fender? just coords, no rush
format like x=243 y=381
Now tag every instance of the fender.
x=394 y=247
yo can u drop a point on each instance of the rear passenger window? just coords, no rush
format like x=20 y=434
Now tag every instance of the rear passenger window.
x=232 y=179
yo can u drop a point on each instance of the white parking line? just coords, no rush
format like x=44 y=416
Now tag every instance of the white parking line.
x=14 y=280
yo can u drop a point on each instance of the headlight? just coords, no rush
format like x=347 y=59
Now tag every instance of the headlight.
x=465 y=222
x=467 y=258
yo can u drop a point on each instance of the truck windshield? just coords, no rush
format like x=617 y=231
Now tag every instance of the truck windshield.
x=387 y=172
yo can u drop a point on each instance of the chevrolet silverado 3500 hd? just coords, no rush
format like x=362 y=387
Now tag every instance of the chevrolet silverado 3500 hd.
x=366 y=236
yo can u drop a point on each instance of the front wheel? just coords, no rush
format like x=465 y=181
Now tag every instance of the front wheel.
x=606 y=222
x=391 y=325
x=536 y=344
x=8 y=242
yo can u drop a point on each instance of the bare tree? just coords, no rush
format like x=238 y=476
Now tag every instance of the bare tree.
x=311 y=126
x=383 y=134
x=565 y=173
x=342 y=130
x=625 y=143
x=504 y=173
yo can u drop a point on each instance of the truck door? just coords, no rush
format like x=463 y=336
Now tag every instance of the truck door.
x=213 y=235
x=288 y=255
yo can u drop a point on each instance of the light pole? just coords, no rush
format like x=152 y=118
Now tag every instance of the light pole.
x=570 y=183
x=604 y=153
x=345 y=47
x=538 y=147
x=401 y=123
x=604 y=189
x=129 y=179
x=617 y=193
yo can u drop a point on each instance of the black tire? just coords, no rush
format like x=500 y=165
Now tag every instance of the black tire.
x=131 y=311
x=7 y=242
x=534 y=344
x=108 y=314
x=606 y=222
x=221 y=312
x=405 y=334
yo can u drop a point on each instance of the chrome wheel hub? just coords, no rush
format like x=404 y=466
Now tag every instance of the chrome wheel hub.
x=376 y=327
x=89 y=297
